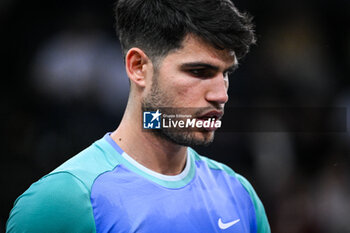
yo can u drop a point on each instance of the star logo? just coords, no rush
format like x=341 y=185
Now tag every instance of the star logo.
x=156 y=115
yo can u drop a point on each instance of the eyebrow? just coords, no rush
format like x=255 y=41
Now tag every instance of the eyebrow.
x=190 y=65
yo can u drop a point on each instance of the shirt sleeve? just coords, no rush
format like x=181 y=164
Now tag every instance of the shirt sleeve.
x=261 y=218
x=59 y=202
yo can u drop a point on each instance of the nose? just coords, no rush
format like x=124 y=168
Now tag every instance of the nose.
x=217 y=90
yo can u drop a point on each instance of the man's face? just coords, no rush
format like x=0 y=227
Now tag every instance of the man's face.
x=192 y=80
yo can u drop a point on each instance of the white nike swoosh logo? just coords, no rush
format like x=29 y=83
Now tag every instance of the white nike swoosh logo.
x=224 y=226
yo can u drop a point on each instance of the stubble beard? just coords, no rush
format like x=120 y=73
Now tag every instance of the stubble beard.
x=181 y=136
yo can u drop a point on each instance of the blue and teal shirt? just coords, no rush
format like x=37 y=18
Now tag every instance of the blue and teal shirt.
x=102 y=189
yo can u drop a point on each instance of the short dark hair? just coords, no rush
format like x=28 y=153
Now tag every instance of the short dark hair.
x=159 y=26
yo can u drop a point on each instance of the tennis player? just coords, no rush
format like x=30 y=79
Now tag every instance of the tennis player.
x=144 y=177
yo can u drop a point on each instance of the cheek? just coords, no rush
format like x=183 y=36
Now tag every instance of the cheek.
x=187 y=92
x=180 y=88
x=184 y=91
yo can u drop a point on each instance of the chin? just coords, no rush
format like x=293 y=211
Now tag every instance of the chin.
x=188 y=138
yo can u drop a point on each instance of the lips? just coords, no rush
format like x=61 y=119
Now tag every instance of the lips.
x=211 y=114
x=214 y=116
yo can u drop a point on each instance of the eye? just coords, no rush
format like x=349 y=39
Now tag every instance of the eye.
x=201 y=73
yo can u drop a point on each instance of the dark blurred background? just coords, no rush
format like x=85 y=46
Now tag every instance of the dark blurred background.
x=64 y=86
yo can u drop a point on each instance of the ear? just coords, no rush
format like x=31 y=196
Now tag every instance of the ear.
x=136 y=62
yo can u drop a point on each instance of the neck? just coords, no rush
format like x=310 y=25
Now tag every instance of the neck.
x=153 y=152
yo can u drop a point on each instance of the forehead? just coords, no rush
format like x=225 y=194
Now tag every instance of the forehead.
x=194 y=49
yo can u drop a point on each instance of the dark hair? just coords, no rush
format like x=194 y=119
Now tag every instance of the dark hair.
x=159 y=26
